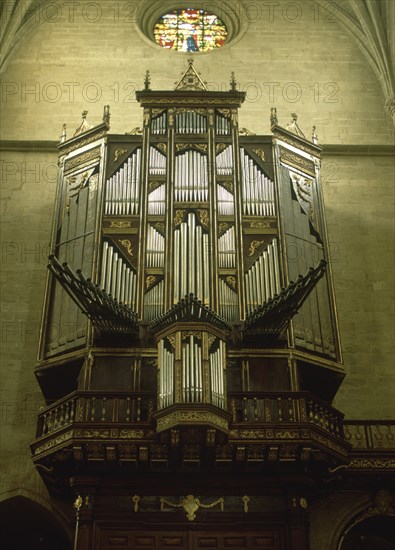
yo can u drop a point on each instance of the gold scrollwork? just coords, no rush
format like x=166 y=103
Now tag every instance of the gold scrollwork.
x=150 y=281
x=160 y=226
x=162 y=147
x=187 y=333
x=231 y=281
x=82 y=159
x=246 y=132
x=223 y=227
x=179 y=217
x=118 y=154
x=246 y=501
x=128 y=245
x=135 y=500
x=260 y=225
x=136 y=131
x=119 y=224
x=191 y=505
x=204 y=219
x=172 y=340
x=228 y=186
x=253 y=246
x=260 y=153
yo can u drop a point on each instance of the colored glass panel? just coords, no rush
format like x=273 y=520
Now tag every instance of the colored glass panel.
x=190 y=31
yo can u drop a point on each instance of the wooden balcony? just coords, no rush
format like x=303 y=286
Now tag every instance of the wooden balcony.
x=108 y=429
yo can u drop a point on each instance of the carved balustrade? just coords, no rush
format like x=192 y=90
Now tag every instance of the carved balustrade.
x=95 y=408
x=286 y=407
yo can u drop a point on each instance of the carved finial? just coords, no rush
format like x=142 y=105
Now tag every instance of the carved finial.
x=190 y=61
x=84 y=126
x=232 y=81
x=273 y=116
x=106 y=114
x=293 y=126
x=63 y=137
x=314 y=137
x=147 y=81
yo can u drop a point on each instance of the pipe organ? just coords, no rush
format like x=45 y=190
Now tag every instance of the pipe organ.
x=213 y=239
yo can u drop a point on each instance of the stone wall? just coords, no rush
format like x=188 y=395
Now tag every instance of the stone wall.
x=310 y=66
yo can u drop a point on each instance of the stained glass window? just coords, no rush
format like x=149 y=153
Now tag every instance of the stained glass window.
x=190 y=31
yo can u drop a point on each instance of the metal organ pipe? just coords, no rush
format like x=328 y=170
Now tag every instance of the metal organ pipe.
x=191 y=177
x=225 y=162
x=157 y=162
x=159 y=124
x=262 y=280
x=166 y=376
x=227 y=249
x=258 y=190
x=226 y=202
x=157 y=201
x=117 y=278
x=155 y=248
x=190 y=262
x=153 y=302
x=191 y=122
x=222 y=125
x=228 y=302
x=192 y=376
x=217 y=366
x=123 y=188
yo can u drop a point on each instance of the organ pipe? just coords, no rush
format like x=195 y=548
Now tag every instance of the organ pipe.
x=262 y=280
x=191 y=177
x=258 y=189
x=117 y=277
x=153 y=302
x=191 y=260
x=123 y=188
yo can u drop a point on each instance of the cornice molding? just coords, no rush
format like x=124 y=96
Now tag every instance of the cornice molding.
x=41 y=146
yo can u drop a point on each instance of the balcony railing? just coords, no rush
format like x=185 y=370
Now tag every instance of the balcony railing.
x=370 y=434
x=96 y=408
x=286 y=407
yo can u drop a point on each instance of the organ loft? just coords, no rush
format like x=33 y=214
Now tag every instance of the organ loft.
x=189 y=350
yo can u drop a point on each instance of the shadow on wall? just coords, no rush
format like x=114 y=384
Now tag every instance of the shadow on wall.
x=26 y=525
x=376 y=533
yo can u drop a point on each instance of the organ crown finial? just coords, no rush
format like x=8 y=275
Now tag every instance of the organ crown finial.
x=147 y=81
x=233 y=82
x=293 y=126
x=84 y=126
x=273 y=116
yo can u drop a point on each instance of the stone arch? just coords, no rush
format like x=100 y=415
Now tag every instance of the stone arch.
x=367 y=527
x=27 y=524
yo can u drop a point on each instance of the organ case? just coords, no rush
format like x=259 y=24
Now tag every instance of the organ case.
x=191 y=246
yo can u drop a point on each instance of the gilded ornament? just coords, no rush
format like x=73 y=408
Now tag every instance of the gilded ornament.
x=118 y=154
x=83 y=142
x=120 y=224
x=260 y=225
x=82 y=159
x=136 y=131
x=162 y=147
x=191 y=505
x=204 y=219
x=220 y=147
x=260 y=153
x=223 y=227
x=245 y=499
x=231 y=281
x=150 y=282
x=128 y=245
x=179 y=217
x=246 y=132
x=135 y=500
x=187 y=333
x=253 y=246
